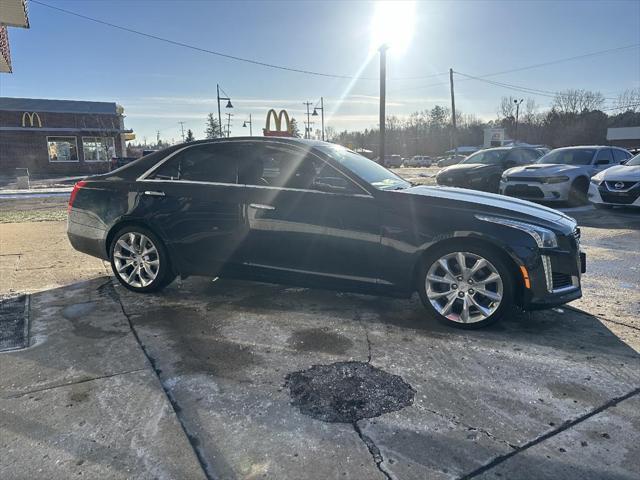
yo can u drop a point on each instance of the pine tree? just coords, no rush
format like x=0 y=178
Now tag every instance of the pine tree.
x=190 y=137
x=212 y=129
x=293 y=128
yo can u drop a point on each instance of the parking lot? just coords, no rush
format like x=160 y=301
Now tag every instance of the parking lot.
x=215 y=379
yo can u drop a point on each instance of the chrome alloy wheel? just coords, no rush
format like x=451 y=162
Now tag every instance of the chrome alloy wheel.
x=464 y=287
x=136 y=259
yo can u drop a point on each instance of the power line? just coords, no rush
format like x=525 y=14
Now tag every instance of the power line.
x=199 y=49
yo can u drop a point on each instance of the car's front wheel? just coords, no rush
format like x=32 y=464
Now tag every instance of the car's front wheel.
x=467 y=286
x=139 y=260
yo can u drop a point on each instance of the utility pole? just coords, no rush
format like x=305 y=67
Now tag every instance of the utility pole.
x=157 y=137
x=322 y=117
x=383 y=99
x=229 y=115
x=306 y=130
x=454 y=133
x=518 y=103
x=182 y=128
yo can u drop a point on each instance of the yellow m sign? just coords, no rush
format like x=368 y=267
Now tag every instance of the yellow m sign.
x=277 y=119
x=31 y=116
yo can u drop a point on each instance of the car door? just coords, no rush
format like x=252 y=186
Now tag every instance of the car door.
x=194 y=200
x=305 y=217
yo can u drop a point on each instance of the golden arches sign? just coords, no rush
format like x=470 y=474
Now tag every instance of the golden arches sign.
x=31 y=116
x=277 y=119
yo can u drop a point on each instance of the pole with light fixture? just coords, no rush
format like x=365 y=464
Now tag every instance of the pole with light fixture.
x=228 y=106
x=383 y=99
x=244 y=125
x=518 y=103
x=315 y=114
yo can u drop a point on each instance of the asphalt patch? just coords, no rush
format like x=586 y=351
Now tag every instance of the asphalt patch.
x=345 y=392
x=14 y=323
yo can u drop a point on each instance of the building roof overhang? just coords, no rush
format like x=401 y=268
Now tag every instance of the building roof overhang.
x=13 y=13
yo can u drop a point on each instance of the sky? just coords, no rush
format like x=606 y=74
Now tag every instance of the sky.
x=160 y=84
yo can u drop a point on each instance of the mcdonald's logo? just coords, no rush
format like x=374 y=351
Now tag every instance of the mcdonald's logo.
x=31 y=116
x=277 y=119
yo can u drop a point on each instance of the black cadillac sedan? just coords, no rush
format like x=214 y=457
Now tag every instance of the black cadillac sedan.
x=316 y=214
x=483 y=170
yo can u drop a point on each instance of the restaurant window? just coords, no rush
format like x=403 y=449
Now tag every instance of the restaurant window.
x=62 y=149
x=98 y=149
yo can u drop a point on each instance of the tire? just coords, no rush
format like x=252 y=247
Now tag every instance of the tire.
x=578 y=192
x=445 y=305
x=125 y=254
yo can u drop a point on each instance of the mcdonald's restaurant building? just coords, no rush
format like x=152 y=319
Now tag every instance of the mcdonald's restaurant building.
x=63 y=137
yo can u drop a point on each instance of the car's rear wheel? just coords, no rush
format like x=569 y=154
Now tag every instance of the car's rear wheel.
x=139 y=260
x=578 y=192
x=466 y=286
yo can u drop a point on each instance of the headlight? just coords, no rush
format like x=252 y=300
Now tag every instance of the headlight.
x=544 y=237
x=596 y=181
x=555 y=179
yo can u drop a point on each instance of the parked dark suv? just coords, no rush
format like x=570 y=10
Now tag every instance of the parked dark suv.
x=483 y=170
x=317 y=214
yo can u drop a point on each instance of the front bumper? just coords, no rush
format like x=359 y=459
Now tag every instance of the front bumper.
x=601 y=194
x=555 y=275
x=536 y=191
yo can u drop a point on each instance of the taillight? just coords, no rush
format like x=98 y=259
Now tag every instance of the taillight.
x=74 y=192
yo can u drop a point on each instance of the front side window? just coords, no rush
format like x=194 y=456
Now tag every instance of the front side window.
x=274 y=166
x=371 y=172
x=98 y=149
x=620 y=155
x=573 y=156
x=486 y=157
x=205 y=163
x=634 y=161
x=62 y=149
x=604 y=156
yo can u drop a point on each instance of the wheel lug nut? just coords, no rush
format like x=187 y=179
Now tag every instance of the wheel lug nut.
x=454 y=286
x=470 y=281
x=461 y=294
x=459 y=279
x=471 y=291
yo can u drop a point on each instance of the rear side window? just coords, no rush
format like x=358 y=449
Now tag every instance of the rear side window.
x=604 y=155
x=523 y=157
x=205 y=163
x=620 y=155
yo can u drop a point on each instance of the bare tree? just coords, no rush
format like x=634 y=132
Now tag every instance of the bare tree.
x=629 y=100
x=507 y=108
x=329 y=133
x=577 y=100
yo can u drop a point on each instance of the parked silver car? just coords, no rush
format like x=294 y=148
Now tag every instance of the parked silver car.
x=418 y=161
x=561 y=175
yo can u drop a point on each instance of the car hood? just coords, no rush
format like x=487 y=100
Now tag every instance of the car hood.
x=490 y=203
x=546 y=170
x=620 y=172
x=467 y=168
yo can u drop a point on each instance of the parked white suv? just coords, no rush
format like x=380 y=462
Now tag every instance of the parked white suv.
x=561 y=175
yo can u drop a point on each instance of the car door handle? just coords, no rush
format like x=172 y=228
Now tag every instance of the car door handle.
x=259 y=206
x=154 y=193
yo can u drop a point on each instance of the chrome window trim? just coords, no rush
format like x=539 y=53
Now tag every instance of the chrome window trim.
x=143 y=177
x=220 y=184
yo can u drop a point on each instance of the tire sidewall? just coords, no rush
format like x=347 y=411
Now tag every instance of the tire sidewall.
x=164 y=272
x=488 y=253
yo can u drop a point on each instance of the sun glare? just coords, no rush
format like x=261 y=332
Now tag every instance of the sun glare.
x=392 y=24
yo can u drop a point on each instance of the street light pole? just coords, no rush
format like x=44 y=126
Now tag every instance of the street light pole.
x=250 y=125
x=315 y=114
x=229 y=115
x=306 y=131
x=228 y=106
x=383 y=99
x=515 y=140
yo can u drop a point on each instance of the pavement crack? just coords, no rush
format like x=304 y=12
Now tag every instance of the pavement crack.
x=193 y=442
x=565 y=426
x=83 y=380
x=358 y=318
x=373 y=450
x=470 y=428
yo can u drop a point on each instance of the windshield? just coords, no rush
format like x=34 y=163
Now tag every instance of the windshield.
x=486 y=157
x=635 y=161
x=374 y=174
x=576 y=156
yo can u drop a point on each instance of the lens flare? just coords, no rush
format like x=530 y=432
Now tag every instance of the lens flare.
x=392 y=25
